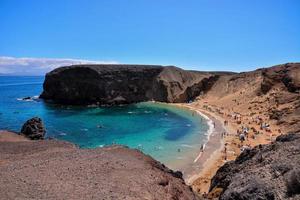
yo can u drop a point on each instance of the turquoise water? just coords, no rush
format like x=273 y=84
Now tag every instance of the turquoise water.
x=167 y=133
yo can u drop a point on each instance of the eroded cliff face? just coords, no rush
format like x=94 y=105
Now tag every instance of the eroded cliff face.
x=272 y=93
x=264 y=172
x=121 y=84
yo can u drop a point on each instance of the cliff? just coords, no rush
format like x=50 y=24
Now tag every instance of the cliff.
x=50 y=169
x=272 y=93
x=272 y=96
x=123 y=84
x=264 y=172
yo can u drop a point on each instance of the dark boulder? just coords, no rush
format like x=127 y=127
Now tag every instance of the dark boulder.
x=34 y=129
x=293 y=182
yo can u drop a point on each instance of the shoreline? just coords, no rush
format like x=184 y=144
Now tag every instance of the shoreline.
x=199 y=173
x=211 y=144
x=200 y=182
x=212 y=147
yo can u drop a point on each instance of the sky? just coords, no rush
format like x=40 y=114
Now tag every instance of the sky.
x=210 y=35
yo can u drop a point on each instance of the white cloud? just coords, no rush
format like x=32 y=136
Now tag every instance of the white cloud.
x=39 y=66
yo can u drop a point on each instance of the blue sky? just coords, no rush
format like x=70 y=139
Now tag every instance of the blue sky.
x=232 y=35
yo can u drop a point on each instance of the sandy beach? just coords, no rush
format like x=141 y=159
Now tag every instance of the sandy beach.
x=214 y=155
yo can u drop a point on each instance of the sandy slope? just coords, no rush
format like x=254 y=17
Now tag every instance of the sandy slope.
x=241 y=100
x=53 y=169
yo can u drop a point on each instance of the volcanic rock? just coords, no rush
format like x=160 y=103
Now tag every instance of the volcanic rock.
x=123 y=84
x=264 y=172
x=34 y=129
x=274 y=91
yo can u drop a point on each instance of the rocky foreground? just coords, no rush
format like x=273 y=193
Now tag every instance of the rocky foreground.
x=264 y=172
x=50 y=169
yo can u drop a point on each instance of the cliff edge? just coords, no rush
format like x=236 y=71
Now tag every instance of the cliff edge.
x=264 y=172
x=123 y=84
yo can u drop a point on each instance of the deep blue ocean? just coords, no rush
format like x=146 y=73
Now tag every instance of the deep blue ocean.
x=169 y=134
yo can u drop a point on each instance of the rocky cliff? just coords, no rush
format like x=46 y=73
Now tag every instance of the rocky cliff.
x=272 y=93
x=264 y=172
x=50 y=169
x=122 y=84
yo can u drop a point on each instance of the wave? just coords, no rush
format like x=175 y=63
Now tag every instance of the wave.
x=208 y=133
x=62 y=134
x=131 y=112
x=34 y=98
x=187 y=145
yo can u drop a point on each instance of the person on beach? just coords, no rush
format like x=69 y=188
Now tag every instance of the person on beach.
x=225 y=123
x=201 y=148
x=246 y=147
x=223 y=134
x=214 y=125
x=242 y=137
x=237 y=132
x=225 y=151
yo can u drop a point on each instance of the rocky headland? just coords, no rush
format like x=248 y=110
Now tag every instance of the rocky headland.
x=123 y=84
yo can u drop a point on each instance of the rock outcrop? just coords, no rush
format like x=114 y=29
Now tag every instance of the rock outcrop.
x=50 y=169
x=287 y=74
x=272 y=92
x=265 y=172
x=123 y=84
x=34 y=129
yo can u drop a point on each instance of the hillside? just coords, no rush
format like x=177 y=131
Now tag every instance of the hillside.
x=50 y=169
x=264 y=97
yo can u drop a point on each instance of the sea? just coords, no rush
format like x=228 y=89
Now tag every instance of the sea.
x=170 y=134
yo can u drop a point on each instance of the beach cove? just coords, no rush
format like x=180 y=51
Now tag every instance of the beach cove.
x=170 y=134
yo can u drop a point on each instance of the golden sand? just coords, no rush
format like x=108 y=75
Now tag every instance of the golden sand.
x=235 y=121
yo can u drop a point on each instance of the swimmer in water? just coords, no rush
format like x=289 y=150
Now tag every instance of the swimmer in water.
x=99 y=126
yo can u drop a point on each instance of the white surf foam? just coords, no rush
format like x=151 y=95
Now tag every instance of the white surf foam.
x=34 y=98
x=62 y=133
x=208 y=132
x=187 y=145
